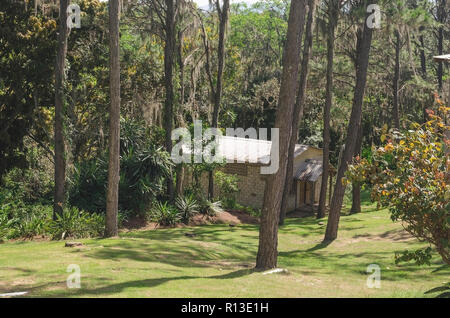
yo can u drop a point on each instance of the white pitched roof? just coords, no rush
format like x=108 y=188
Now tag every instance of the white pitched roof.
x=241 y=150
x=442 y=58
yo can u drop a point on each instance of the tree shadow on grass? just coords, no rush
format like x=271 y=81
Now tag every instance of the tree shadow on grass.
x=142 y=283
x=443 y=291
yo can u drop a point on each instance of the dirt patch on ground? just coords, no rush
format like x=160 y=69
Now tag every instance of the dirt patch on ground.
x=233 y=217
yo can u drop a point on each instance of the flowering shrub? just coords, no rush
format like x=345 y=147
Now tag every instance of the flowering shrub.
x=410 y=175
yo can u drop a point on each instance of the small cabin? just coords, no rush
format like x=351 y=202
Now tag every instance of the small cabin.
x=245 y=157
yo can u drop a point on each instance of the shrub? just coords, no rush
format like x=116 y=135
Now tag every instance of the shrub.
x=144 y=168
x=76 y=224
x=410 y=176
x=187 y=206
x=20 y=220
x=164 y=214
x=228 y=187
x=210 y=208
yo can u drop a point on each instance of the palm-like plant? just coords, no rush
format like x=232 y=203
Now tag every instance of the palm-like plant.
x=164 y=214
x=211 y=208
x=187 y=206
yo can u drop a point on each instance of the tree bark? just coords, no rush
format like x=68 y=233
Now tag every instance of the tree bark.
x=356 y=186
x=60 y=163
x=180 y=180
x=363 y=50
x=112 y=196
x=396 y=79
x=169 y=52
x=299 y=106
x=442 y=17
x=268 y=233
x=333 y=15
x=223 y=18
x=423 y=61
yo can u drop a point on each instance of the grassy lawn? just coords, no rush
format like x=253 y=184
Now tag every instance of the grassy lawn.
x=218 y=262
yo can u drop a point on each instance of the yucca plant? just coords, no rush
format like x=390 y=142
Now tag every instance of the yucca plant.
x=76 y=224
x=165 y=214
x=187 y=206
x=211 y=208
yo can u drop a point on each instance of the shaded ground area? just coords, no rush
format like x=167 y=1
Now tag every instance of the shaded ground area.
x=233 y=217
x=217 y=261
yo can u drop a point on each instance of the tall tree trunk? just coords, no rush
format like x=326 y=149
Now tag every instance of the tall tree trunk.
x=356 y=186
x=333 y=15
x=112 y=196
x=363 y=50
x=442 y=17
x=396 y=114
x=223 y=18
x=180 y=180
x=169 y=52
x=299 y=106
x=270 y=214
x=180 y=167
x=423 y=61
x=60 y=164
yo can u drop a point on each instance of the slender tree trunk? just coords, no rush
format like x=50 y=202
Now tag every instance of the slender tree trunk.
x=169 y=52
x=363 y=50
x=423 y=61
x=396 y=114
x=180 y=167
x=60 y=164
x=299 y=106
x=268 y=232
x=442 y=17
x=112 y=196
x=180 y=180
x=356 y=186
x=223 y=17
x=333 y=15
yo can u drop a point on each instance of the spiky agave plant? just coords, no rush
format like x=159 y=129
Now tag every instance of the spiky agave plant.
x=187 y=206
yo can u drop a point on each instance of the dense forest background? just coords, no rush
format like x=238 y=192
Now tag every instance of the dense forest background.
x=180 y=63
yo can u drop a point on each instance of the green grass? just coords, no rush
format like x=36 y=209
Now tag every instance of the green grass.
x=218 y=262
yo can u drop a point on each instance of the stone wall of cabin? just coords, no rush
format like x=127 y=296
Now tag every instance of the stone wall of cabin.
x=251 y=183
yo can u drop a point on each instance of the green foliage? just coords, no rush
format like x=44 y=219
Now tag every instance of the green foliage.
x=420 y=256
x=144 y=168
x=228 y=188
x=249 y=210
x=74 y=223
x=409 y=174
x=187 y=206
x=165 y=214
x=210 y=208
x=27 y=57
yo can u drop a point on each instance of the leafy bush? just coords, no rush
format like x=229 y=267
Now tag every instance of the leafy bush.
x=410 y=175
x=144 y=168
x=228 y=187
x=165 y=214
x=187 y=206
x=210 y=208
x=250 y=210
x=74 y=223
x=20 y=220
